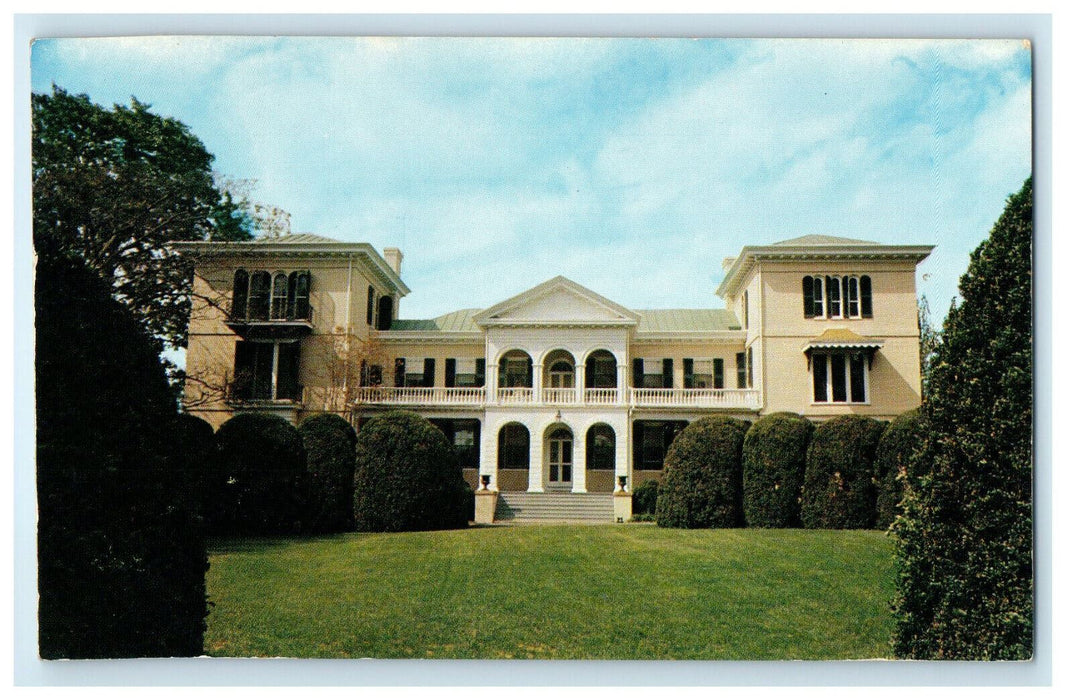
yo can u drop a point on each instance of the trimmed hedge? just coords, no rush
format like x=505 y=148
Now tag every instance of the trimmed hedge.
x=198 y=478
x=702 y=476
x=329 y=442
x=896 y=446
x=262 y=465
x=407 y=477
x=773 y=469
x=121 y=558
x=644 y=498
x=838 y=491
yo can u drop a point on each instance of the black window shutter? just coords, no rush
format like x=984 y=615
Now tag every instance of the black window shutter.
x=242 y=387
x=638 y=444
x=529 y=372
x=739 y=359
x=827 y=287
x=370 y=302
x=806 y=294
x=590 y=372
x=301 y=295
x=687 y=372
x=292 y=287
x=717 y=367
x=287 y=372
x=668 y=373
x=749 y=368
x=238 y=295
x=845 y=296
x=449 y=372
x=480 y=371
x=430 y=372
x=400 y=371
x=638 y=372
x=364 y=375
x=866 y=296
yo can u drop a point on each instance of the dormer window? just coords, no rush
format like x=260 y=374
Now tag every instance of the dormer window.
x=837 y=296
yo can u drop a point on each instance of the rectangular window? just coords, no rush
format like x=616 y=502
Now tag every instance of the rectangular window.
x=605 y=373
x=266 y=371
x=852 y=294
x=652 y=451
x=717 y=369
x=834 y=297
x=839 y=378
x=749 y=368
x=739 y=359
x=653 y=373
x=466 y=371
x=701 y=375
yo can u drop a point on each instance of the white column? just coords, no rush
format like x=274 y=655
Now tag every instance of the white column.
x=624 y=453
x=536 y=461
x=490 y=454
x=491 y=382
x=621 y=396
x=579 y=384
x=579 y=463
x=538 y=383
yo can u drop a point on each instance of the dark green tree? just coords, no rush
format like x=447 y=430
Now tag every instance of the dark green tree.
x=964 y=543
x=930 y=339
x=702 y=477
x=407 y=477
x=112 y=187
x=121 y=556
x=329 y=442
x=892 y=465
x=839 y=489
x=773 y=466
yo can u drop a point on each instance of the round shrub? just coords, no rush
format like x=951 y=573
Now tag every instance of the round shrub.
x=702 y=478
x=644 y=498
x=261 y=463
x=198 y=479
x=893 y=454
x=773 y=469
x=838 y=491
x=406 y=477
x=329 y=442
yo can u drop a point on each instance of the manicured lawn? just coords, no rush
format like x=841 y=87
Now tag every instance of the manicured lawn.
x=590 y=592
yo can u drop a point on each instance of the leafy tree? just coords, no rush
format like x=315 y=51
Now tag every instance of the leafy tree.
x=964 y=544
x=892 y=465
x=702 y=478
x=407 y=477
x=329 y=444
x=112 y=187
x=121 y=556
x=839 y=492
x=773 y=469
x=930 y=338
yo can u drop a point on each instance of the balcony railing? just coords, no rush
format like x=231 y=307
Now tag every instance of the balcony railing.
x=525 y=396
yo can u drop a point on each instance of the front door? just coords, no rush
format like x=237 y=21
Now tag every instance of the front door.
x=560 y=458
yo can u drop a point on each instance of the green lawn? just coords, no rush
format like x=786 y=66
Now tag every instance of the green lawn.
x=555 y=592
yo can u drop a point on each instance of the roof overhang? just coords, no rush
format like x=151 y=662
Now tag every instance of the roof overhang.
x=751 y=255
x=264 y=248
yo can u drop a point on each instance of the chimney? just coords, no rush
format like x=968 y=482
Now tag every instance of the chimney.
x=393 y=256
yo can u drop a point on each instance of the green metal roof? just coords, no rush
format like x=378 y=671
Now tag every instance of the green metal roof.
x=814 y=239
x=295 y=239
x=652 y=321
x=686 y=320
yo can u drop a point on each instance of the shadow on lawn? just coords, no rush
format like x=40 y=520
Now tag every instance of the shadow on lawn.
x=253 y=544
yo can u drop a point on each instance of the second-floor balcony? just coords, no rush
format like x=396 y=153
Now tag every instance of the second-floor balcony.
x=479 y=397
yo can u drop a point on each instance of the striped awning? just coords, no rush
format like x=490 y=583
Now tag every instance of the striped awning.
x=842 y=339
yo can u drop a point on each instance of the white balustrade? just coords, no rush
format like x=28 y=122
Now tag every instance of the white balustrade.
x=643 y=398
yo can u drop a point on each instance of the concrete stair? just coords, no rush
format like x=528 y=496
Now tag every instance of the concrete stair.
x=523 y=507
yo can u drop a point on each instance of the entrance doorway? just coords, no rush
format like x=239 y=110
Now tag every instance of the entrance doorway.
x=560 y=458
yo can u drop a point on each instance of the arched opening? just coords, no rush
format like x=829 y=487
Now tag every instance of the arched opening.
x=385 y=312
x=260 y=291
x=513 y=458
x=515 y=370
x=600 y=459
x=601 y=370
x=560 y=457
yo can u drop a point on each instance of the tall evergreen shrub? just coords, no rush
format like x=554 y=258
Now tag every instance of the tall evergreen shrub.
x=121 y=558
x=407 y=477
x=895 y=448
x=702 y=476
x=262 y=464
x=329 y=442
x=964 y=544
x=773 y=466
x=839 y=492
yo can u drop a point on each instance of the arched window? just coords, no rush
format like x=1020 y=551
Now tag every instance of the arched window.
x=298 y=296
x=279 y=296
x=601 y=370
x=514 y=446
x=834 y=297
x=384 y=313
x=600 y=447
x=260 y=287
x=239 y=292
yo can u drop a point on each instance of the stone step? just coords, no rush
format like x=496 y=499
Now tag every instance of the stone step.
x=560 y=507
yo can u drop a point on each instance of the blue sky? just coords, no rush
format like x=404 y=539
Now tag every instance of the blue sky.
x=633 y=166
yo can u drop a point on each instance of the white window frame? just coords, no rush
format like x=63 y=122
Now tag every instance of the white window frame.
x=853 y=286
